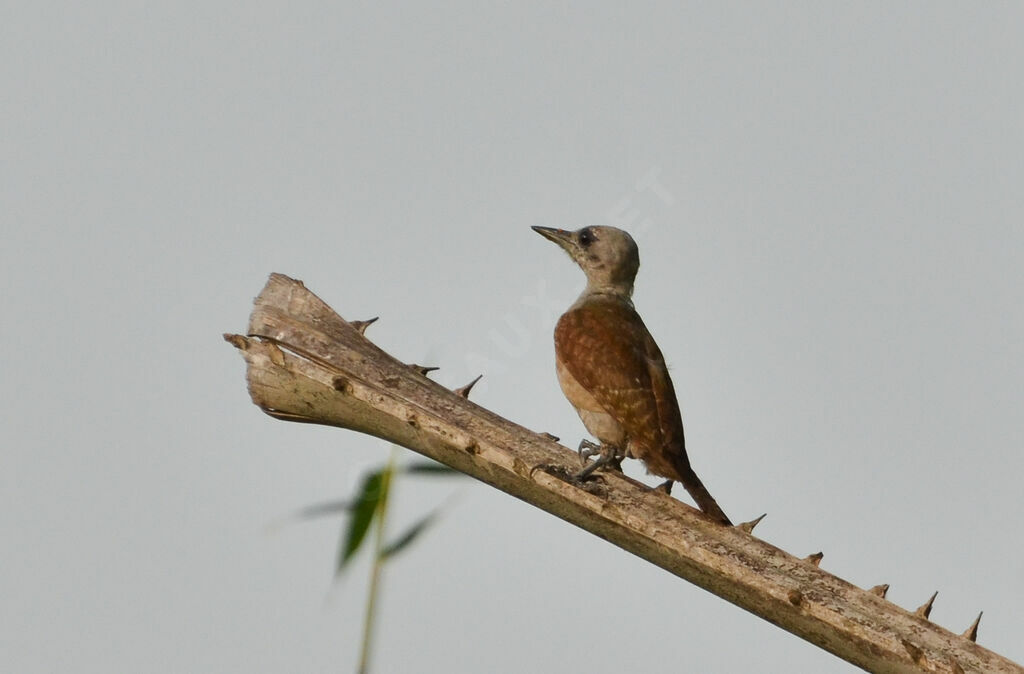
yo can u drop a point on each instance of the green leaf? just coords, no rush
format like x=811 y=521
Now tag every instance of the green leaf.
x=363 y=511
x=429 y=468
x=408 y=537
x=326 y=508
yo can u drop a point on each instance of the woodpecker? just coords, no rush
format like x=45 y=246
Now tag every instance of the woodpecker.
x=612 y=371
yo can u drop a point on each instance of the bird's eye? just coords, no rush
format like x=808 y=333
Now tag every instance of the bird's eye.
x=586 y=237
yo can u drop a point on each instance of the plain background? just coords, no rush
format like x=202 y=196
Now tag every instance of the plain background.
x=828 y=203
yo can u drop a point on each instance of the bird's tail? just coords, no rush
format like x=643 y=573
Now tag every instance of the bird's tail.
x=700 y=494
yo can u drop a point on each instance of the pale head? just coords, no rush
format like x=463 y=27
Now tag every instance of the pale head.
x=607 y=255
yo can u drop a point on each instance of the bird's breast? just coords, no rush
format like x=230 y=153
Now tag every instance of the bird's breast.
x=598 y=422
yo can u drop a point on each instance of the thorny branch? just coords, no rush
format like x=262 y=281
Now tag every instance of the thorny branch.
x=307 y=364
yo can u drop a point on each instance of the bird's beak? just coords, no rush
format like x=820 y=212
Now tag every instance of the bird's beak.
x=560 y=236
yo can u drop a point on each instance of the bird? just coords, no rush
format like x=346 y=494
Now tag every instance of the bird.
x=611 y=369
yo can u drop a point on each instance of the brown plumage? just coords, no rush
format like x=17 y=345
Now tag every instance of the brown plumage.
x=611 y=369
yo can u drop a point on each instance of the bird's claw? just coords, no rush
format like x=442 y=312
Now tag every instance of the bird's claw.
x=588 y=449
x=607 y=455
x=549 y=468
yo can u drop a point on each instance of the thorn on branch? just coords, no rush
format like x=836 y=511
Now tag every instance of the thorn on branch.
x=553 y=438
x=237 y=341
x=972 y=631
x=464 y=390
x=815 y=559
x=880 y=590
x=748 y=527
x=925 y=609
x=423 y=369
x=362 y=325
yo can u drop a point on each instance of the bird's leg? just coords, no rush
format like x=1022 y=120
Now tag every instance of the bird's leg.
x=607 y=454
x=588 y=449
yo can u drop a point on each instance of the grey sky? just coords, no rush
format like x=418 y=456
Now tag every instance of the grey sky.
x=827 y=200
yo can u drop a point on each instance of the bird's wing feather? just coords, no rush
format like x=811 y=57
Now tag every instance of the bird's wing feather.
x=670 y=418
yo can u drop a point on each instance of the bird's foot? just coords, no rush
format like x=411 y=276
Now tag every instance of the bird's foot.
x=607 y=455
x=558 y=471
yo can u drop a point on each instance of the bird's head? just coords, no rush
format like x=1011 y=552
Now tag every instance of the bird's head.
x=607 y=255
